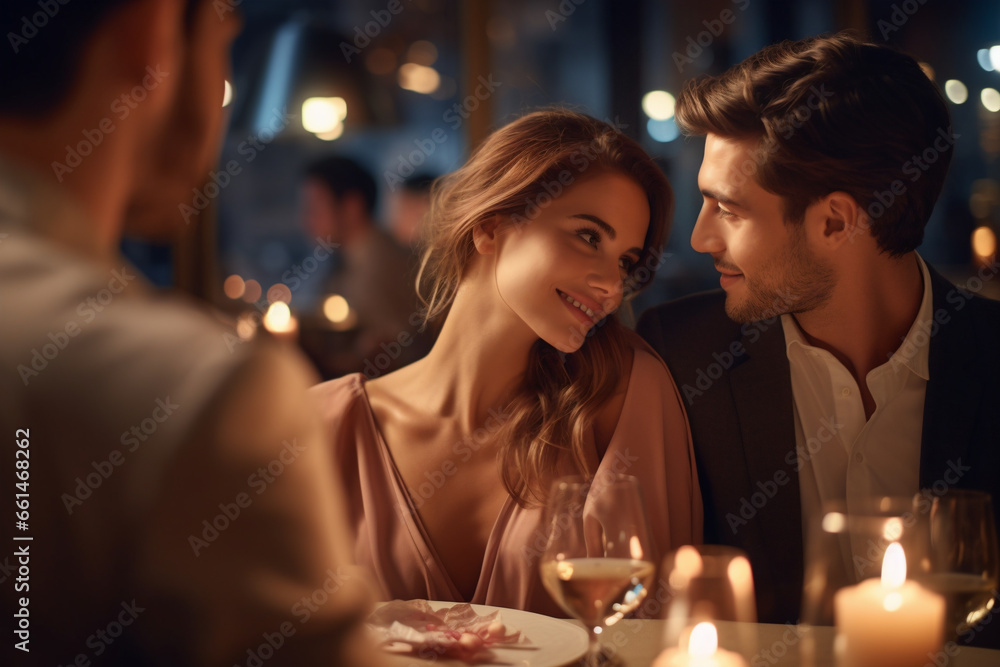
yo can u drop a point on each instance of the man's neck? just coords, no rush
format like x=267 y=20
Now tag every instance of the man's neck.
x=98 y=182
x=870 y=313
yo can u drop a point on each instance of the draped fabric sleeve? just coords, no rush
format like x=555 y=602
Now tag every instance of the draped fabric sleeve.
x=652 y=442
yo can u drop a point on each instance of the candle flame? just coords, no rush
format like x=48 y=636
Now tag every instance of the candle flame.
x=704 y=640
x=894 y=566
x=278 y=318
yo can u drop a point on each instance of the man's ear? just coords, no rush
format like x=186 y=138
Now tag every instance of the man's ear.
x=841 y=219
x=484 y=235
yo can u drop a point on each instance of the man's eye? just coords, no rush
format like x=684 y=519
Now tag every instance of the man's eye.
x=723 y=213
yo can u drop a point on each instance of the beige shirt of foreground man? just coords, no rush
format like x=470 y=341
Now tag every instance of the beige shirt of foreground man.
x=181 y=506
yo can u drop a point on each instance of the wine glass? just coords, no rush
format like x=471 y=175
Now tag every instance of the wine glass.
x=964 y=562
x=598 y=562
x=710 y=584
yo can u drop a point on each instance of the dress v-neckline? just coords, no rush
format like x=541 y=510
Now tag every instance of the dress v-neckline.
x=415 y=523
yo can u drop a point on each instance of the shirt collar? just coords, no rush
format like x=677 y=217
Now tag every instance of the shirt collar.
x=31 y=205
x=913 y=352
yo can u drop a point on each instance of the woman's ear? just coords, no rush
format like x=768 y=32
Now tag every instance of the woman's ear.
x=484 y=235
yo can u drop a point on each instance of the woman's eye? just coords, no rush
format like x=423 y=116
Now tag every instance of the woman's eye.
x=589 y=236
x=626 y=264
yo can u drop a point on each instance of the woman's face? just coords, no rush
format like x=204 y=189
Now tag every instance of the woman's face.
x=561 y=269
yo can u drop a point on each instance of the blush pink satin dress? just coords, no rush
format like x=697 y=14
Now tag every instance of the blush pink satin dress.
x=651 y=441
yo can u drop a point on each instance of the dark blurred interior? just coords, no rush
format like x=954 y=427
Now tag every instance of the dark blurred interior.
x=408 y=87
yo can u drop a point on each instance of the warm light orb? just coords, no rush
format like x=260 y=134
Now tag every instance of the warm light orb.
x=227 y=95
x=739 y=573
x=336 y=309
x=956 y=91
x=687 y=564
x=279 y=292
x=419 y=78
x=335 y=133
x=278 y=318
x=990 y=99
x=834 y=522
x=422 y=52
x=233 y=287
x=984 y=242
x=252 y=291
x=704 y=641
x=323 y=114
x=659 y=104
x=893 y=529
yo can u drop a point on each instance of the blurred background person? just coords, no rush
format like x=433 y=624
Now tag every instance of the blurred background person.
x=372 y=274
x=174 y=505
x=408 y=205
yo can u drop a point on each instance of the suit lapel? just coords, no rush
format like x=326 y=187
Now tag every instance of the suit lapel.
x=953 y=395
x=762 y=395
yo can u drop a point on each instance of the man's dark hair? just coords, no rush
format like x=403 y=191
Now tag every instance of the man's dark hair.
x=342 y=175
x=44 y=46
x=834 y=114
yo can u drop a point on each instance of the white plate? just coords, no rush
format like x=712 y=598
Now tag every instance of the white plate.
x=554 y=641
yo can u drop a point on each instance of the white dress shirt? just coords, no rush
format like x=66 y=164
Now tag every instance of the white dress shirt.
x=843 y=456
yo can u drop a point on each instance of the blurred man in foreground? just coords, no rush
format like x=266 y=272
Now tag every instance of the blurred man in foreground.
x=174 y=504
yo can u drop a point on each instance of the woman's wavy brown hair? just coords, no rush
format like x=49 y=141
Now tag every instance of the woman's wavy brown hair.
x=513 y=174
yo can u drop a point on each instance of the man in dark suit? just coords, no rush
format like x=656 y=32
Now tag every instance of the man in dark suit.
x=834 y=364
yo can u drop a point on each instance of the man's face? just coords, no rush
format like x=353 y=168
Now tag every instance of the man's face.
x=321 y=212
x=182 y=149
x=766 y=266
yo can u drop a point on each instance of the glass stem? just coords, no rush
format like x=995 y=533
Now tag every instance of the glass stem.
x=593 y=649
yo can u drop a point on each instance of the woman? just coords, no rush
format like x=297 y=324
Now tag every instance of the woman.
x=529 y=249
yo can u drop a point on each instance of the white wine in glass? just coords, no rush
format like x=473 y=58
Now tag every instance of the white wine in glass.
x=598 y=563
x=964 y=560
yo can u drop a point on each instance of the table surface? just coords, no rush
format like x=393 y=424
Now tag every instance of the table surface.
x=637 y=643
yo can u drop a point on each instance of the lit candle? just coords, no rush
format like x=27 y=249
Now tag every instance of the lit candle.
x=888 y=623
x=702 y=651
x=280 y=322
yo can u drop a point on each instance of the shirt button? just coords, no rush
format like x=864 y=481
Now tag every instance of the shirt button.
x=845 y=392
x=859 y=457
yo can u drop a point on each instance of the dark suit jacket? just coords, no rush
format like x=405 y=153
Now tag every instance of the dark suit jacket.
x=737 y=388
